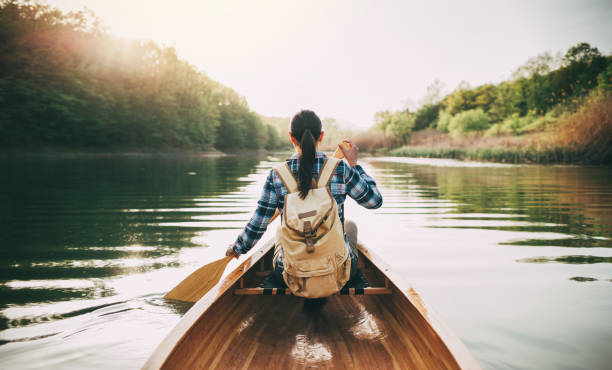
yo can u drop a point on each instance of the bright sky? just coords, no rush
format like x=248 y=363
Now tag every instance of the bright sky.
x=349 y=59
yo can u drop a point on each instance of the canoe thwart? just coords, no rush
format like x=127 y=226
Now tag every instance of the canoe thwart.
x=282 y=291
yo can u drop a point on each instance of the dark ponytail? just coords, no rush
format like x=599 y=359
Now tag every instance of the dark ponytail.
x=306 y=162
x=306 y=128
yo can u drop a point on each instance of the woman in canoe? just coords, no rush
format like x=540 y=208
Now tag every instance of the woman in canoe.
x=316 y=250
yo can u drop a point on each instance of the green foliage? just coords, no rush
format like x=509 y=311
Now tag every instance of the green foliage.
x=426 y=116
x=471 y=120
x=604 y=80
x=399 y=125
x=466 y=98
x=581 y=53
x=274 y=139
x=543 y=84
x=514 y=123
x=541 y=95
x=65 y=82
x=382 y=119
x=444 y=120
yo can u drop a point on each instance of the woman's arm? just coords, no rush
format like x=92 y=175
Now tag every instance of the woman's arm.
x=360 y=186
x=257 y=225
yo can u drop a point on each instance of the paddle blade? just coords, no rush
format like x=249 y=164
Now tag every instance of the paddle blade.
x=338 y=153
x=196 y=285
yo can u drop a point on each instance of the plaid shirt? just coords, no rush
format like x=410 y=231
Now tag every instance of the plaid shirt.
x=352 y=181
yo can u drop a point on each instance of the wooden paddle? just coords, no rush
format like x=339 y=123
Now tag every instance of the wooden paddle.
x=199 y=282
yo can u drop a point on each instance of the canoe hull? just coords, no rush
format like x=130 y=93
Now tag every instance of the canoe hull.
x=362 y=331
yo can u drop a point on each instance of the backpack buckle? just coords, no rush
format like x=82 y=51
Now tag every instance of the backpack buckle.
x=309 y=235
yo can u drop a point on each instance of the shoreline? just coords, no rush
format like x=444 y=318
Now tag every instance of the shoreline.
x=121 y=152
x=526 y=155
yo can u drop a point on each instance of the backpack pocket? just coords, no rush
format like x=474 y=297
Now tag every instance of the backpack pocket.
x=320 y=283
x=311 y=267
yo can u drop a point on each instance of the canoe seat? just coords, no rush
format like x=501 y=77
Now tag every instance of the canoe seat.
x=283 y=291
x=358 y=285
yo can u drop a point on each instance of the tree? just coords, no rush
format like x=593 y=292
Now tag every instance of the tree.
x=426 y=116
x=400 y=126
x=382 y=119
x=541 y=64
x=434 y=93
x=582 y=52
x=471 y=120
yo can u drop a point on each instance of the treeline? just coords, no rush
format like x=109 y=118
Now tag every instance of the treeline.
x=538 y=94
x=65 y=82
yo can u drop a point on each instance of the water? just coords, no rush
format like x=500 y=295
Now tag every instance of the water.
x=515 y=259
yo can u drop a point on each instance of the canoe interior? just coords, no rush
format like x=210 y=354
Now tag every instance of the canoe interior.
x=275 y=332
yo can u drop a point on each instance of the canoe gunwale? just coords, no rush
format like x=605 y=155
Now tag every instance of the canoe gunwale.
x=191 y=317
x=455 y=346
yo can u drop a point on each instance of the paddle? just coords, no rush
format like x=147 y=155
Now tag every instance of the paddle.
x=199 y=282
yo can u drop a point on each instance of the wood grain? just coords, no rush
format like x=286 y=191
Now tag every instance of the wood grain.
x=199 y=282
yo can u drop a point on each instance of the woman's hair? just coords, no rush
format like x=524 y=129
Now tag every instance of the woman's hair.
x=306 y=129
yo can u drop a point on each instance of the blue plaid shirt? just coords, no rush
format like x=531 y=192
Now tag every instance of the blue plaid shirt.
x=352 y=181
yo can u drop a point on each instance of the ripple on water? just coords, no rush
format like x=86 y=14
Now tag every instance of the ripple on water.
x=515 y=258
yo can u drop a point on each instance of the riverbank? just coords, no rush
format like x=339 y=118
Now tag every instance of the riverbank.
x=124 y=151
x=502 y=155
x=580 y=137
x=110 y=152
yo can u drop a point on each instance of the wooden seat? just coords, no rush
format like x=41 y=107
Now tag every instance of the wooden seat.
x=358 y=285
x=282 y=291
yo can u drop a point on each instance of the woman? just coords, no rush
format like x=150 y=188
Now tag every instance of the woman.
x=347 y=179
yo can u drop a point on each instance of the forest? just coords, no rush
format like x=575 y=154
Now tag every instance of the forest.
x=66 y=83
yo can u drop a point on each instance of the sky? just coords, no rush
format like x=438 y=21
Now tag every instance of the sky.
x=350 y=59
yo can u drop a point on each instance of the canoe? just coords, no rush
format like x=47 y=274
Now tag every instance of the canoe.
x=239 y=324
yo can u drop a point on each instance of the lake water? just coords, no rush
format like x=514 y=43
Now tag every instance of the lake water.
x=517 y=260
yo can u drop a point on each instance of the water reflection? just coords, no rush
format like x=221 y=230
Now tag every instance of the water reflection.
x=516 y=258
x=582 y=279
x=72 y=227
x=572 y=202
x=568 y=259
x=309 y=351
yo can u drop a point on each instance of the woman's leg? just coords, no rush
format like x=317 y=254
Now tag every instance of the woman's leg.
x=278 y=265
x=350 y=229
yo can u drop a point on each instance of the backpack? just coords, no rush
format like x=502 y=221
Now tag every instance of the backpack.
x=316 y=261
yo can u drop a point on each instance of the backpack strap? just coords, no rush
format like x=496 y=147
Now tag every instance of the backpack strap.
x=284 y=173
x=327 y=172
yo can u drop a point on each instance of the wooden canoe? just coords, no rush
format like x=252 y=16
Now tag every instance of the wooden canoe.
x=236 y=325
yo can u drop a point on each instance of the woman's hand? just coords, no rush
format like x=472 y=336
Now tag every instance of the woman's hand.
x=350 y=153
x=230 y=252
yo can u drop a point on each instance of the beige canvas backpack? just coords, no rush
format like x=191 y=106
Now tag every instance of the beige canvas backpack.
x=312 y=237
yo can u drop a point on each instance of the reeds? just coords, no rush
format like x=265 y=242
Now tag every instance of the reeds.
x=503 y=155
x=374 y=141
x=587 y=133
